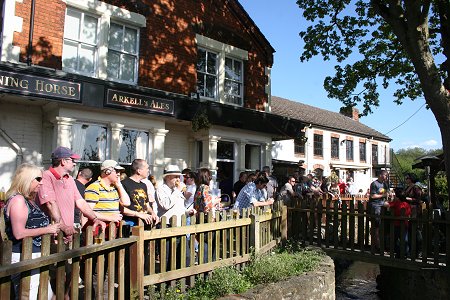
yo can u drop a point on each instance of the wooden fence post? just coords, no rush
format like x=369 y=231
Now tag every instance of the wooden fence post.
x=137 y=265
x=255 y=232
x=283 y=227
x=5 y=260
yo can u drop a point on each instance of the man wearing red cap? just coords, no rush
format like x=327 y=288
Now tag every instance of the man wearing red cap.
x=59 y=193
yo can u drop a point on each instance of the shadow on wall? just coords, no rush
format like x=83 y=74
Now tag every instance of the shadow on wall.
x=9 y=162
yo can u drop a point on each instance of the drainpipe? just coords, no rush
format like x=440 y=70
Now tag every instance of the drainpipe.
x=14 y=145
x=30 y=36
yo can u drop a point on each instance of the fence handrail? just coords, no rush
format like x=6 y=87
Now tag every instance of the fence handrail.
x=354 y=231
x=205 y=227
x=27 y=265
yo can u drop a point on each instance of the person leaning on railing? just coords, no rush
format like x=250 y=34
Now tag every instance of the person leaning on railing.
x=24 y=218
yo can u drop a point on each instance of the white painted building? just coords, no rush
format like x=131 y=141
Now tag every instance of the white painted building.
x=332 y=142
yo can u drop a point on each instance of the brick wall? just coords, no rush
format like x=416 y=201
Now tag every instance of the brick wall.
x=47 y=34
x=168 y=52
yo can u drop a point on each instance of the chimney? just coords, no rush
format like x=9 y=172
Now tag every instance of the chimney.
x=355 y=114
x=351 y=112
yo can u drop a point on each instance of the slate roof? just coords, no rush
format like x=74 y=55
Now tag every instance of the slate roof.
x=322 y=118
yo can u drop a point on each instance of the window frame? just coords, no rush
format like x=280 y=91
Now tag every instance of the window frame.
x=240 y=82
x=375 y=155
x=299 y=147
x=318 y=145
x=223 y=52
x=107 y=14
x=334 y=151
x=122 y=52
x=147 y=150
x=107 y=142
x=362 y=152
x=205 y=74
x=80 y=43
x=349 y=151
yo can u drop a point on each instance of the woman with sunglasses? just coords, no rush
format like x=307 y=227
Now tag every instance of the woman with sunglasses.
x=24 y=218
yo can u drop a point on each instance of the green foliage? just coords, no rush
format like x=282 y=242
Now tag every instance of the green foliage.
x=408 y=157
x=224 y=281
x=442 y=188
x=341 y=28
x=172 y=293
x=277 y=267
x=200 y=121
x=288 y=261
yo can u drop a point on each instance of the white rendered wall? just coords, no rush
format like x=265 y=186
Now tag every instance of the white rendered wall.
x=23 y=124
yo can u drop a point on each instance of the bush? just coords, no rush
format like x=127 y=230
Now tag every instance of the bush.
x=285 y=262
x=279 y=266
x=224 y=281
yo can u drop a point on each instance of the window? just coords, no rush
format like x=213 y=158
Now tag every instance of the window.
x=233 y=81
x=362 y=151
x=96 y=46
x=349 y=150
x=134 y=144
x=252 y=157
x=374 y=154
x=299 y=147
x=225 y=151
x=89 y=141
x=318 y=145
x=80 y=42
x=122 y=52
x=220 y=71
x=207 y=73
x=335 y=147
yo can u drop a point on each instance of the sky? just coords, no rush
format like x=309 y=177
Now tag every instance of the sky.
x=280 y=22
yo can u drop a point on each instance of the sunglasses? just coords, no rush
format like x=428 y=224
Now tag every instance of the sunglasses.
x=38 y=179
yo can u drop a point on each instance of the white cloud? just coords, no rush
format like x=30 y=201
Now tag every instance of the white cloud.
x=430 y=143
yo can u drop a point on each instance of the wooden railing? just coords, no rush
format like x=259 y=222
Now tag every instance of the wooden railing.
x=148 y=259
x=345 y=228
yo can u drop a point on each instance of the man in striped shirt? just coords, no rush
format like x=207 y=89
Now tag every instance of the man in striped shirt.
x=107 y=193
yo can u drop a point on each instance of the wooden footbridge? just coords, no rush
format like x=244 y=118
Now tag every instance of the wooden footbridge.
x=345 y=229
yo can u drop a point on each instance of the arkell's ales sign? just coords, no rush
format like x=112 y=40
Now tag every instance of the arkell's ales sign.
x=39 y=86
x=139 y=102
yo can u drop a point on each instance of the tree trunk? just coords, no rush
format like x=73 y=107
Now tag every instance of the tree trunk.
x=445 y=134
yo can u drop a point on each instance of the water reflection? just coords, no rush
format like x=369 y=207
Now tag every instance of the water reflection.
x=358 y=281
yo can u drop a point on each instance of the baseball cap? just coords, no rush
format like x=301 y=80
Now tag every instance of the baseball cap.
x=64 y=152
x=109 y=163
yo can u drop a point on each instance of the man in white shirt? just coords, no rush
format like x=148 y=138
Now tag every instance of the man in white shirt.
x=169 y=196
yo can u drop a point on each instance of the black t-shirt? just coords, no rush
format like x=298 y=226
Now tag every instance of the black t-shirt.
x=138 y=194
x=77 y=214
x=237 y=187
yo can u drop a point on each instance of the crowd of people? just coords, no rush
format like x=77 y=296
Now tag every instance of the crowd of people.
x=49 y=201
x=46 y=202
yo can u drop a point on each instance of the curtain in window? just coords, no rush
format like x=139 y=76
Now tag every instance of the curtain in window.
x=142 y=145
x=78 y=139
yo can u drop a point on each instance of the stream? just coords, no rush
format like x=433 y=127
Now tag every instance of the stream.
x=358 y=281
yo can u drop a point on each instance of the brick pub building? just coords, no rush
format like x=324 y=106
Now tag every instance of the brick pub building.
x=180 y=82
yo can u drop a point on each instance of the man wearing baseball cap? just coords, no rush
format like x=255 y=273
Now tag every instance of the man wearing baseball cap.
x=59 y=193
x=106 y=194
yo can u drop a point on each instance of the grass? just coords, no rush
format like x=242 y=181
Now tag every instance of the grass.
x=280 y=264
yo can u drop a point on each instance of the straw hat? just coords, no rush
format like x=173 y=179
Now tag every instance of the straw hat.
x=172 y=170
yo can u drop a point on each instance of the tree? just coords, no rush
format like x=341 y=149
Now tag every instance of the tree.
x=406 y=42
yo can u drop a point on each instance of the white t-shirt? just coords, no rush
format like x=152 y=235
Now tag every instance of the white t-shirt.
x=190 y=189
